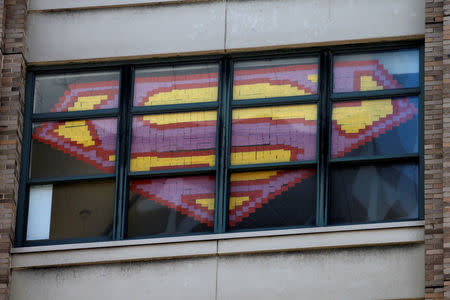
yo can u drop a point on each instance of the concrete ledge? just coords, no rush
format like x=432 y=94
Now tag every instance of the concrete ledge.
x=329 y=240
x=221 y=244
x=38 y=6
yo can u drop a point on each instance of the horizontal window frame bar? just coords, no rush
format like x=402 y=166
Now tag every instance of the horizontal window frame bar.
x=375 y=47
x=75 y=115
x=178 y=61
x=48 y=242
x=273 y=54
x=115 y=65
x=276 y=101
x=171 y=173
x=174 y=108
x=371 y=95
x=375 y=222
x=69 y=179
x=274 y=166
x=173 y=235
x=413 y=157
x=257 y=229
x=76 y=69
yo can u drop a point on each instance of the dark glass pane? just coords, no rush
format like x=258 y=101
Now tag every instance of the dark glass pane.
x=71 y=210
x=72 y=148
x=275 y=78
x=76 y=92
x=274 y=134
x=176 y=85
x=173 y=141
x=373 y=193
x=272 y=198
x=375 y=127
x=376 y=71
x=171 y=205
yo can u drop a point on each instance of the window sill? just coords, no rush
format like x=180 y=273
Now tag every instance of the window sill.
x=365 y=235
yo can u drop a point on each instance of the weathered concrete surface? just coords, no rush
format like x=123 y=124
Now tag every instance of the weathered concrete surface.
x=365 y=273
x=211 y=26
x=170 y=279
x=125 y=31
x=271 y=23
x=355 y=273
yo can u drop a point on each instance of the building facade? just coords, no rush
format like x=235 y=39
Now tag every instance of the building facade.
x=159 y=64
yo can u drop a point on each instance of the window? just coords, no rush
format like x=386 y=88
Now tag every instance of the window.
x=220 y=144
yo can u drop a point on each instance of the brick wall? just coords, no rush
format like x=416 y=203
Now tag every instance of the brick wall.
x=12 y=81
x=437 y=99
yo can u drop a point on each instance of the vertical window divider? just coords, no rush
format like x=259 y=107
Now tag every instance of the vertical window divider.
x=421 y=128
x=22 y=205
x=225 y=146
x=323 y=138
x=219 y=141
x=123 y=141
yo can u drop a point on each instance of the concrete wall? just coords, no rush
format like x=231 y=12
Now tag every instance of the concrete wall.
x=392 y=272
x=117 y=29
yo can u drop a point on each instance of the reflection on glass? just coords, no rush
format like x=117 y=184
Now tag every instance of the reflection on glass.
x=272 y=198
x=70 y=148
x=71 y=210
x=176 y=85
x=373 y=193
x=375 y=127
x=171 y=205
x=173 y=141
x=376 y=71
x=275 y=78
x=273 y=134
x=76 y=92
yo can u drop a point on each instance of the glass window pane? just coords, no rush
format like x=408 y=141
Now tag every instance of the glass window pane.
x=375 y=127
x=376 y=71
x=272 y=198
x=71 y=148
x=274 y=134
x=171 y=205
x=275 y=78
x=76 y=92
x=71 y=210
x=373 y=193
x=173 y=141
x=176 y=85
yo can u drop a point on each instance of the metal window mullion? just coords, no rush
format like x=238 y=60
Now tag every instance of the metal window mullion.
x=172 y=172
x=323 y=139
x=225 y=147
x=368 y=159
x=274 y=166
x=75 y=115
x=121 y=149
x=22 y=205
x=373 y=95
x=69 y=179
x=275 y=101
x=421 y=133
x=174 y=108
x=217 y=188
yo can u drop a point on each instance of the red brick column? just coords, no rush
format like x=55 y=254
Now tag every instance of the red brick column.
x=12 y=83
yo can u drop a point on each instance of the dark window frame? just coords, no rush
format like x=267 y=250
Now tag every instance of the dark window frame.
x=222 y=169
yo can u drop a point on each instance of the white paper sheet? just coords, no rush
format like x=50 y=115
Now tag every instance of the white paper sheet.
x=39 y=212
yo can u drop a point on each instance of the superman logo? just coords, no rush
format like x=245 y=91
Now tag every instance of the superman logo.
x=259 y=135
